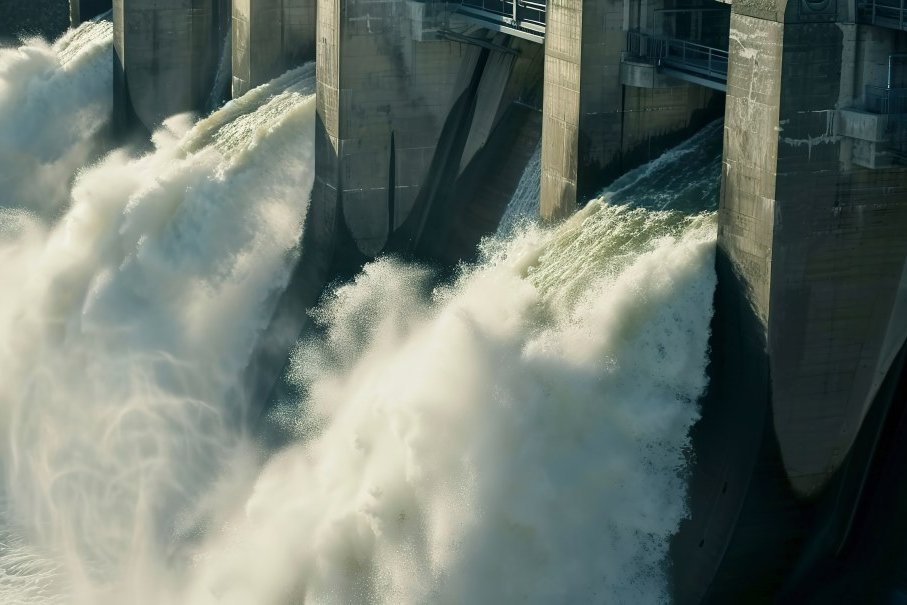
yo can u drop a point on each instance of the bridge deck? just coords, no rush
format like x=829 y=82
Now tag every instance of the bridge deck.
x=891 y=14
x=522 y=18
x=681 y=59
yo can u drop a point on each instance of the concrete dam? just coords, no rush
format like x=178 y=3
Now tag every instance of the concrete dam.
x=514 y=202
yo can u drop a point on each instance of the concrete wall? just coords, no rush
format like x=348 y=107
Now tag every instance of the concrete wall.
x=595 y=129
x=167 y=56
x=571 y=90
x=503 y=134
x=270 y=37
x=375 y=81
x=815 y=254
x=818 y=240
x=401 y=113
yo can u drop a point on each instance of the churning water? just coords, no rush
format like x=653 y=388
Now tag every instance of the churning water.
x=517 y=435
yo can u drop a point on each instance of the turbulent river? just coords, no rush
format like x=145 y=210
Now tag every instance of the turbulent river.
x=515 y=435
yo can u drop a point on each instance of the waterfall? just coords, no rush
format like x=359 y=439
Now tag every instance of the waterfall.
x=517 y=434
x=127 y=320
x=55 y=101
x=524 y=205
x=685 y=178
x=220 y=88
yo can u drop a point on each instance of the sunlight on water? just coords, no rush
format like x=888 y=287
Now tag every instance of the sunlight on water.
x=516 y=435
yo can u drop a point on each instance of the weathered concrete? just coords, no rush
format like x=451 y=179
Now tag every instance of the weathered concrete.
x=595 y=128
x=83 y=10
x=639 y=74
x=270 y=37
x=483 y=191
x=814 y=254
x=833 y=234
x=400 y=114
x=167 y=54
x=812 y=297
x=377 y=86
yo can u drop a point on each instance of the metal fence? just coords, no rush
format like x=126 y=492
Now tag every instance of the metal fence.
x=884 y=13
x=514 y=13
x=682 y=55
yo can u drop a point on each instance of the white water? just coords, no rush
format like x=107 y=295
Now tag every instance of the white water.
x=54 y=102
x=125 y=325
x=516 y=436
x=524 y=204
x=686 y=177
x=495 y=441
x=220 y=88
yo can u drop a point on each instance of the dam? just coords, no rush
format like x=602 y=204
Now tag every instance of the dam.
x=613 y=139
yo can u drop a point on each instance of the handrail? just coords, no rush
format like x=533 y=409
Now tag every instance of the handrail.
x=884 y=13
x=668 y=11
x=512 y=12
x=679 y=54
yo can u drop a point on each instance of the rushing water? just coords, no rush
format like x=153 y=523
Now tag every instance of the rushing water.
x=685 y=178
x=54 y=102
x=524 y=205
x=517 y=435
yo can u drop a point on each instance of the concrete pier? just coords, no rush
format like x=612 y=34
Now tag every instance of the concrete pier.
x=167 y=54
x=401 y=108
x=270 y=37
x=595 y=128
x=427 y=111
x=812 y=255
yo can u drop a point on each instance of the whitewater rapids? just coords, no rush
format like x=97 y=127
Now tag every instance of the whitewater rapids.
x=517 y=435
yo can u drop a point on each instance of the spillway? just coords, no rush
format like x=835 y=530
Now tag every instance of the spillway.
x=518 y=432
x=55 y=101
x=120 y=383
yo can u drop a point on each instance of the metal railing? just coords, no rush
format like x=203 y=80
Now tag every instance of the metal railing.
x=884 y=13
x=681 y=55
x=889 y=101
x=519 y=14
x=688 y=56
x=641 y=46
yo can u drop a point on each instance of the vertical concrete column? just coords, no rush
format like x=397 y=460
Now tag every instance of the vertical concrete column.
x=83 y=10
x=270 y=37
x=582 y=99
x=594 y=128
x=384 y=98
x=818 y=241
x=811 y=307
x=167 y=54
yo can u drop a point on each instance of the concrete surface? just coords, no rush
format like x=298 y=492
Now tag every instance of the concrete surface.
x=812 y=257
x=811 y=307
x=166 y=57
x=594 y=128
x=270 y=37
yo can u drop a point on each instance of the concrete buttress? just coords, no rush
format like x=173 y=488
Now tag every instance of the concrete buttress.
x=167 y=54
x=270 y=37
